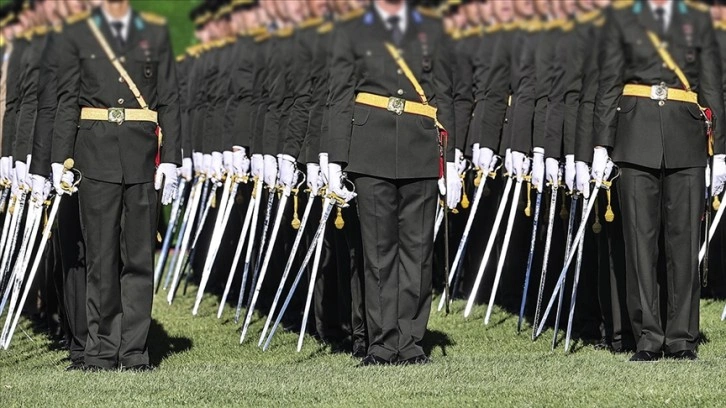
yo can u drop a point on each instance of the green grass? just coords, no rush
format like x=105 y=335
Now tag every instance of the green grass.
x=201 y=363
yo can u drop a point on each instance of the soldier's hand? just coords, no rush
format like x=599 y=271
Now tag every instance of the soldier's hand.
x=459 y=161
x=228 y=161
x=718 y=174
x=21 y=175
x=335 y=184
x=570 y=172
x=314 y=179
x=582 y=178
x=552 y=171
x=166 y=178
x=450 y=186
x=600 y=161
x=198 y=161
x=185 y=171
x=287 y=171
x=257 y=166
x=475 y=154
x=323 y=159
x=6 y=166
x=486 y=160
x=62 y=177
x=207 y=165
x=216 y=170
x=270 y=177
x=38 y=188
x=538 y=168
x=240 y=161
x=520 y=164
x=508 y=162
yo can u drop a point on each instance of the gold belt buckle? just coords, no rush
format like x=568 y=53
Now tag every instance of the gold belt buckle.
x=116 y=115
x=659 y=92
x=396 y=105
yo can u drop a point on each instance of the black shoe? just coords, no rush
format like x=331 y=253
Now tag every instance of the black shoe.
x=418 y=360
x=646 y=356
x=602 y=345
x=76 y=366
x=373 y=360
x=90 y=368
x=139 y=368
x=683 y=355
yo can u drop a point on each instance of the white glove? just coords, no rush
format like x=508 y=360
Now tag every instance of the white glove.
x=538 y=169
x=486 y=159
x=718 y=174
x=459 y=161
x=314 y=179
x=216 y=168
x=451 y=185
x=323 y=160
x=507 y=161
x=582 y=178
x=228 y=161
x=600 y=161
x=39 y=190
x=335 y=183
x=166 y=176
x=475 y=154
x=570 y=172
x=240 y=161
x=287 y=170
x=6 y=165
x=518 y=164
x=257 y=166
x=552 y=171
x=198 y=161
x=62 y=177
x=21 y=175
x=207 y=165
x=270 y=171
x=185 y=171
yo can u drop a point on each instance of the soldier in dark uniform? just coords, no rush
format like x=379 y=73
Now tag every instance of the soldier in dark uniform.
x=393 y=155
x=649 y=118
x=113 y=135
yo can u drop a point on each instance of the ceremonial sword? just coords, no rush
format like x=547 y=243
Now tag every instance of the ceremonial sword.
x=573 y=298
x=530 y=259
x=545 y=260
x=170 y=229
x=256 y=198
x=185 y=224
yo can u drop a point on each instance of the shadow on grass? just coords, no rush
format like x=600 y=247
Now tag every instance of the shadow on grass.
x=436 y=339
x=162 y=346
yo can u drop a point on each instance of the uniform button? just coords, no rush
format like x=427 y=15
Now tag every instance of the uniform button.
x=93 y=56
x=665 y=65
x=122 y=59
x=399 y=72
x=661 y=103
x=618 y=109
x=121 y=80
x=120 y=101
x=400 y=92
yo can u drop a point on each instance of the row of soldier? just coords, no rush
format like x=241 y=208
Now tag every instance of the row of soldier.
x=269 y=90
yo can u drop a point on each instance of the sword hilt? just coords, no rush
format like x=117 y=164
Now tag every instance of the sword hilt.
x=716 y=204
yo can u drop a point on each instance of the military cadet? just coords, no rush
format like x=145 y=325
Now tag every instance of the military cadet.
x=659 y=66
x=115 y=137
x=392 y=154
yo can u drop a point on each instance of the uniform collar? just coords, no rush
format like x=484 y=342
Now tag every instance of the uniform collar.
x=402 y=16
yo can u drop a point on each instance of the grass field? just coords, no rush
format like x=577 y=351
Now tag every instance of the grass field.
x=202 y=364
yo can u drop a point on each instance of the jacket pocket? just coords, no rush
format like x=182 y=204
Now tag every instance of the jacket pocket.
x=360 y=115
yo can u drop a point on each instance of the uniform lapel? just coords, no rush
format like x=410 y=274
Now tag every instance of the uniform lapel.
x=100 y=20
x=134 y=32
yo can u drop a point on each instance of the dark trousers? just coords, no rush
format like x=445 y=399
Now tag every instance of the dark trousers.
x=668 y=202
x=73 y=260
x=119 y=226
x=397 y=226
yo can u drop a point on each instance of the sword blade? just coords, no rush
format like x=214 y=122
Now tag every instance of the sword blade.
x=573 y=298
x=237 y=254
x=545 y=260
x=464 y=239
x=168 y=236
x=488 y=250
x=288 y=267
x=712 y=231
x=568 y=244
x=250 y=246
x=439 y=221
x=505 y=249
x=530 y=259
x=263 y=241
x=214 y=244
x=327 y=208
x=185 y=243
x=265 y=263
x=7 y=260
x=570 y=256
x=185 y=224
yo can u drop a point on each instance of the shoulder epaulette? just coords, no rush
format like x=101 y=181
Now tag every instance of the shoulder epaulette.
x=600 y=22
x=622 y=4
x=353 y=14
x=58 y=28
x=568 y=25
x=27 y=34
x=697 y=5
x=181 y=57
x=257 y=31
x=41 y=30
x=720 y=25
x=473 y=31
x=453 y=33
x=312 y=22
x=510 y=26
x=2 y=41
x=533 y=25
x=429 y=12
x=152 y=18
x=325 y=28
x=553 y=24
x=588 y=17
x=284 y=32
x=262 y=37
x=78 y=17
x=193 y=50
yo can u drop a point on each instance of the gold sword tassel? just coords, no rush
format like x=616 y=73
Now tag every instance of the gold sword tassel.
x=609 y=214
x=295 y=219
